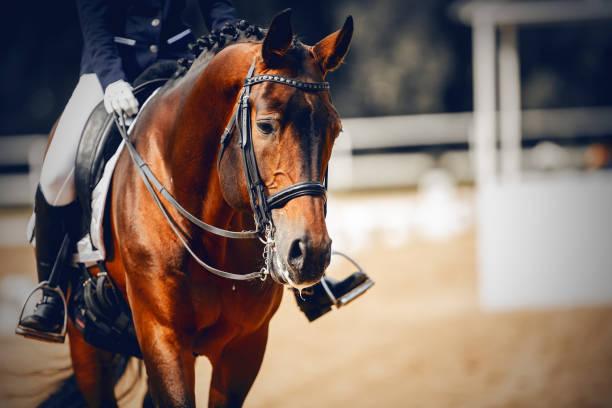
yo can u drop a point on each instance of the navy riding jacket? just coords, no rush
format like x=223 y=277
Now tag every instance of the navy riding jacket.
x=123 y=37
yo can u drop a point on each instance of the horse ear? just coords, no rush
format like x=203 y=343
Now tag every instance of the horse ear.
x=331 y=50
x=278 y=38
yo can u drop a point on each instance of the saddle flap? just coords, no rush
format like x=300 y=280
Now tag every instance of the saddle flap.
x=98 y=138
x=99 y=141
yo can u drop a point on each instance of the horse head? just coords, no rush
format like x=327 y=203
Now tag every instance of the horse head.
x=293 y=131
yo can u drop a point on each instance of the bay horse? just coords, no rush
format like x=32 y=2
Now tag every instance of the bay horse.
x=181 y=310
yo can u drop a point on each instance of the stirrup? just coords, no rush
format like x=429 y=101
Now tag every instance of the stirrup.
x=355 y=292
x=38 y=335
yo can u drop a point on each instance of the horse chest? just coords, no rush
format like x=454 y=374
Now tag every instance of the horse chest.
x=227 y=310
x=244 y=304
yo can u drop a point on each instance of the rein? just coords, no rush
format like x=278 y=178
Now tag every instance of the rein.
x=154 y=186
x=260 y=203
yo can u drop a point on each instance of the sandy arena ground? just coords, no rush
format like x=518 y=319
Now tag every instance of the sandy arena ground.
x=416 y=339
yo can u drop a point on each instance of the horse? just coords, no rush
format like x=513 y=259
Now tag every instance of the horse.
x=271 y=182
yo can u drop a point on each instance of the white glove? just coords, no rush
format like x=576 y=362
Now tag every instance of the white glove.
x=118 y=97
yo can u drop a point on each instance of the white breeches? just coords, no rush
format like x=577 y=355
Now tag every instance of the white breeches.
x=57 y=174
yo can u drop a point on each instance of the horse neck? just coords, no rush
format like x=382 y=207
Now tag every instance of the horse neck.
x=203 y=103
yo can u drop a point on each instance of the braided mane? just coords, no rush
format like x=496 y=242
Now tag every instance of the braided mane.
x=207 y=46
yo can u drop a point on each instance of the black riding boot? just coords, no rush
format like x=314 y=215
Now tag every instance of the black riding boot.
x=318 y=299
x=46 y=322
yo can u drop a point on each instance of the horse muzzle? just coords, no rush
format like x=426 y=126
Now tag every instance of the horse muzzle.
x=300 y=261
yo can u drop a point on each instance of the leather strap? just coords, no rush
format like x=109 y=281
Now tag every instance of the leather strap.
x=255 y=184
x=325 y=184
x=296 y=83
x=313 y=188
x=226 y=137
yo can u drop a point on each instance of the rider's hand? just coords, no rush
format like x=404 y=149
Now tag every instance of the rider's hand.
x=118 y=97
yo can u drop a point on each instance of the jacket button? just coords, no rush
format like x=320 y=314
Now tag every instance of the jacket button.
x=155 y=22
x=153 y=48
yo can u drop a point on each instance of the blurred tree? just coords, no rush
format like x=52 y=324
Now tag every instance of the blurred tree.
x=566 y=65
x=407 y=57
x=40 y=64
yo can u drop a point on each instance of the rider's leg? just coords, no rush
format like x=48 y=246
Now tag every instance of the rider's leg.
x=57 y=175
x=50 y=230
x=56 y=195
x=317 y=300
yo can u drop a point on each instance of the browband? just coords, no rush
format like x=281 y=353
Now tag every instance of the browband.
x=296 y=83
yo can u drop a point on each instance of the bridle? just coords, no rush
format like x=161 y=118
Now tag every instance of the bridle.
x=261 y=204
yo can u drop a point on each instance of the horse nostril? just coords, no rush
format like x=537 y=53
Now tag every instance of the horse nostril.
x=297 y=253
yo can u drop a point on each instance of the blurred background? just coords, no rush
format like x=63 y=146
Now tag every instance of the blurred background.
x=472 y=181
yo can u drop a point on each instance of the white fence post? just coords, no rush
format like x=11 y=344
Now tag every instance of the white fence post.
x=509 y=105
x=483 y=38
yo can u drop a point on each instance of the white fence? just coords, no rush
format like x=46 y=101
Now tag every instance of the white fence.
x=395 y=151
x=543 y=239
x=24 y=151
x=377 y=152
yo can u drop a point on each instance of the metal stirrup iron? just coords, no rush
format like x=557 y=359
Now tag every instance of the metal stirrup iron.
x=51 y=285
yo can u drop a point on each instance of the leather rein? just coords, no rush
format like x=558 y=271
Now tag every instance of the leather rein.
x=261 y=204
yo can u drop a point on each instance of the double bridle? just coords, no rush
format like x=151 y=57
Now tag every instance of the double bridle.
x=261 y=204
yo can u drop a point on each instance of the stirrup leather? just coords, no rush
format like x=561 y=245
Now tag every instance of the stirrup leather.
x=38 y=335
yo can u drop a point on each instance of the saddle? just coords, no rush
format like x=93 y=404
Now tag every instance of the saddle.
x=96 y=306
x=100 y=138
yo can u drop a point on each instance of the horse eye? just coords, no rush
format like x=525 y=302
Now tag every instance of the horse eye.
x=265 y=127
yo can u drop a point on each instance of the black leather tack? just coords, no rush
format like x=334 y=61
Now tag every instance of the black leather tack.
x=305 y=86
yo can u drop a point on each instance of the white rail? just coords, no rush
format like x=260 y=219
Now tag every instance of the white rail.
x=376 y=152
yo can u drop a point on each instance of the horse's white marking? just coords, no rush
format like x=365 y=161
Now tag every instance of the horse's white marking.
x=284 y=272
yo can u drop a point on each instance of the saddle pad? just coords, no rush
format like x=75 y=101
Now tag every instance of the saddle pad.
x=90 y=249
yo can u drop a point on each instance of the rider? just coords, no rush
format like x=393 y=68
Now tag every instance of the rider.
x=121 y=39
